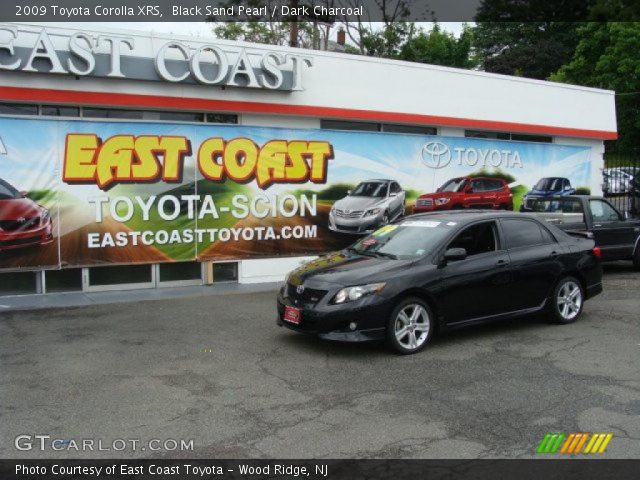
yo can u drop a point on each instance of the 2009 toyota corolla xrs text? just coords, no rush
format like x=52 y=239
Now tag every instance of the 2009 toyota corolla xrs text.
x=436 y=271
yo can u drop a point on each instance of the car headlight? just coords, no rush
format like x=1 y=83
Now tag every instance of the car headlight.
x=442 y=201
x=351 y=294
x=373 y=211
x=45 y=214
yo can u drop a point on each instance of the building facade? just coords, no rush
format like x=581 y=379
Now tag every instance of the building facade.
x=59 y=86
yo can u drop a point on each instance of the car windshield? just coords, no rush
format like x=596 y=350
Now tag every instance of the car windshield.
x=454 y=185
x=370 y=189
x=409 y=239
x=7 y=192
x=551 y=184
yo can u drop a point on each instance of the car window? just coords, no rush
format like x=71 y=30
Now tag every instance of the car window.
x=408 y=239
x=454 y=185
x=601 y=211
x=493 y=185
x=395 y=188
x=478 y=186
x=370 y=189
x=476 y=239
x=7 y=192
x=524 y=233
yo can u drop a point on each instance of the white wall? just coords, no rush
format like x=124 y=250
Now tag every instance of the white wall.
x=341 y=81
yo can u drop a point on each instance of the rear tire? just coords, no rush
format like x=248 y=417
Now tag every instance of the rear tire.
x=410 y=326
x=567 y=300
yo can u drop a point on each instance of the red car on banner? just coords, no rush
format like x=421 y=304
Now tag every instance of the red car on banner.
x=22 y=222
x=467 y=192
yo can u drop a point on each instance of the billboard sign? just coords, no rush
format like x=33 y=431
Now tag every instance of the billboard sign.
x=81 y=193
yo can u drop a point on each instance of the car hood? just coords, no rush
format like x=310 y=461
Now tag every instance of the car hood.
x=358 y=203
x=438 y=195
x=16 y=208
x=340 y=269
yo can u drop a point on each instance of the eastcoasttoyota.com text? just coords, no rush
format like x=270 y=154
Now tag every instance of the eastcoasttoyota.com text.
x=324 y=239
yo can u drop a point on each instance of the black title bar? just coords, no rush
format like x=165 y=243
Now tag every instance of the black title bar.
x=323 y=11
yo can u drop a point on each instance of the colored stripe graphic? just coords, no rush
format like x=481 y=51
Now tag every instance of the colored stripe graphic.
x=573 y=443
x=550 y=442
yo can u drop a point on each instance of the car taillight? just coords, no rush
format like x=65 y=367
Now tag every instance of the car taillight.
x=597 y=252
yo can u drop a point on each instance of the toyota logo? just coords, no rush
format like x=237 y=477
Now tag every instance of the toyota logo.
x=436 y=155
x=299 y=289
x=22 y=220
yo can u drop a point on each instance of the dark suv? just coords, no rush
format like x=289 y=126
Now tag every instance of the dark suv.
x=467 y=192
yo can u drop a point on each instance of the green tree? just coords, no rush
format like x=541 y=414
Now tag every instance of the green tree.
x=438 y=47
x=532 y=39
x=528 y=49
x=607 y=56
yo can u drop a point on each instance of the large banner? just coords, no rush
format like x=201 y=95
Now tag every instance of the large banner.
x=78 y=193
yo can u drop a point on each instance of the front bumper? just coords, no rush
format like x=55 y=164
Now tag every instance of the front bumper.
x=10 y=240
x=331 y=322
x=355 y=226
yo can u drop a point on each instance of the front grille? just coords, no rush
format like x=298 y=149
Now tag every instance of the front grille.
x=19 y=241
x=530 y=202
x=308 y=295
x=22 y=224
x=349 y=213
x=348 y=229
x=424 y=202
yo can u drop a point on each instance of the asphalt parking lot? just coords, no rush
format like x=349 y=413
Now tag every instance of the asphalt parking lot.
x=219 y=371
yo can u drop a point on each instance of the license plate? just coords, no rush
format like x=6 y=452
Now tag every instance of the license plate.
x=291 y=315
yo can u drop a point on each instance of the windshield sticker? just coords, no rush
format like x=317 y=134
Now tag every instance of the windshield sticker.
x=384 y=230
x=369 y=241
x=421 y=223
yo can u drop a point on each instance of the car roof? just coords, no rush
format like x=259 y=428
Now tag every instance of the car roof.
x=379 y=180
x=469 y=216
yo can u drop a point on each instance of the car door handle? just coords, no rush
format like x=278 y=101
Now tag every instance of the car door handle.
x=502 y=263
x=555 y=254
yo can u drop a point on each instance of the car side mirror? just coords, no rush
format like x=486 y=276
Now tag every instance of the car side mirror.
x=24 y=193
x=455 y=254
x=393 y=194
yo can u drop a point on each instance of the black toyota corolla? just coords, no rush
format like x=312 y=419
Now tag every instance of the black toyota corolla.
x=437 y=271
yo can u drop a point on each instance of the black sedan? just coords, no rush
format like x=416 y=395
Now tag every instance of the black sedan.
x=437 y=271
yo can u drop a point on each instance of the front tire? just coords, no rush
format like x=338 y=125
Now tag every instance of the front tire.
x=410 y=326
x=567 y=300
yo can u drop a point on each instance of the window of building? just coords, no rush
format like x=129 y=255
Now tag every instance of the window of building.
x=67 y=280
x=182 y=116
x=59 y=111
x=524 y=233
x=377 y=127
x=18 y=109
x=221 y=118
x=180 y=271
x=348 y=125
x=507 y=136
x=415 y=129
x=120 y=275
x=225 y=272
x=18 y=283
x=90 y=112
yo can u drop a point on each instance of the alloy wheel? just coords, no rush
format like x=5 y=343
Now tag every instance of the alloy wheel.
x=569 y=300
x=412 y=326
